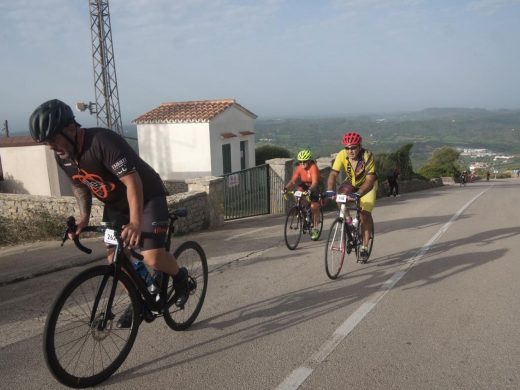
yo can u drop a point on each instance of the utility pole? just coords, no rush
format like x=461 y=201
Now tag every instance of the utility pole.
x=106 y=106
x=5 y=129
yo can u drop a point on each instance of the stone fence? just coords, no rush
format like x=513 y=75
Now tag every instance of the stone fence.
x=203 y=197
x=283 y=167
x=204 y=201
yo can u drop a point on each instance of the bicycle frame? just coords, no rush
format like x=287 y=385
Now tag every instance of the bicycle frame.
x=341 y=199
x=120 y=262
x=94 y=321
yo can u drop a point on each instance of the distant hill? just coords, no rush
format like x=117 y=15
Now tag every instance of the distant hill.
x=427 y=129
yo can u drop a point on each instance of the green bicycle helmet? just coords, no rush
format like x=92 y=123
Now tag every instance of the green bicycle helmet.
x=304 y=155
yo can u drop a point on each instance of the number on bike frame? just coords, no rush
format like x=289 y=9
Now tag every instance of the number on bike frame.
x=297 y=194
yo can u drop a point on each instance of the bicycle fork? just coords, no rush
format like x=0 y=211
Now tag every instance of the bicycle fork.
x=107 y=314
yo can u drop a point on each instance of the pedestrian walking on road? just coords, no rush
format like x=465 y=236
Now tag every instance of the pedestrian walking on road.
x=393 y=185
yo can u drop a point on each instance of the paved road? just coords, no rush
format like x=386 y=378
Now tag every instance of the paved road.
x=435 y=308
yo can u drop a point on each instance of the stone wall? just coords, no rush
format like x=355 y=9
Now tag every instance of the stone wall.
x=176 y=186
x=204 y=202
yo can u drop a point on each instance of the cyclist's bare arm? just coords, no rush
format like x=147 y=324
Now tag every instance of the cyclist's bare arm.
x=315 y=177
x=134 y=192
x=331 y=181
x=84 y=200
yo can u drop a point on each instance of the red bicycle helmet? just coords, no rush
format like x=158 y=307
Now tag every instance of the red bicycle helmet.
x=351 y=139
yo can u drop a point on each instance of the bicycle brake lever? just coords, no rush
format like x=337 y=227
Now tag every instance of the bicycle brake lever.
x=65 y=237
x=71 y=227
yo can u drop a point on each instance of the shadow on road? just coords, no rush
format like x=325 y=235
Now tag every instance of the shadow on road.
x=265 y=317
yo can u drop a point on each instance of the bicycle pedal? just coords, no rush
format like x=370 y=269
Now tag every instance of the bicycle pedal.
x=147 y=315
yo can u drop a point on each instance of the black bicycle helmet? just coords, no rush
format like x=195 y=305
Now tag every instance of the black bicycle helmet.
x=49 y=118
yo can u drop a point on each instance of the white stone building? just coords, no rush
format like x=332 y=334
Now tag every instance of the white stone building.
x=182 y=140
x=30 y=168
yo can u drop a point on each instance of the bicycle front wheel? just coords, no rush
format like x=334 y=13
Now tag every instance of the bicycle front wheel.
x=335 y=249
x=82 y=346
x=190 y=255
x=293 y=228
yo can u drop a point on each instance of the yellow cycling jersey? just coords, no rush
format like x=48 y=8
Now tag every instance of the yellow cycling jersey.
x=355 y=176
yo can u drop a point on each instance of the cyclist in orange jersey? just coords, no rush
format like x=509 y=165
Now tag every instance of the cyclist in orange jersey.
x=306 y=177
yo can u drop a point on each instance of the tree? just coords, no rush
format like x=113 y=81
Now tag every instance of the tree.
x=267 y=152
x=443 y=162
x=386 y=162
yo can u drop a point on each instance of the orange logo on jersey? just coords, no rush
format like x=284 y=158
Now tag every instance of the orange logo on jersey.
x=95 y=183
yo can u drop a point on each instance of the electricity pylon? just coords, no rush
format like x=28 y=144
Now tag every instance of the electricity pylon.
x=107 y=107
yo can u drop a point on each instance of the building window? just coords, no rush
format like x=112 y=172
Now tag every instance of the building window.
x=226 y=158
x=243 y=154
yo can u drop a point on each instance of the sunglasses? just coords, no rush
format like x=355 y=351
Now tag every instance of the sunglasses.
x=351 y=147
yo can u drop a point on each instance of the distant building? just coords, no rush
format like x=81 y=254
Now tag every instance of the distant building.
x=183 y=140
x=30 y=168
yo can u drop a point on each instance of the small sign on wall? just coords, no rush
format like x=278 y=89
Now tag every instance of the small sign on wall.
x=233 y=180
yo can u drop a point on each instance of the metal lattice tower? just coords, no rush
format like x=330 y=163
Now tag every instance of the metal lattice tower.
x=105 y=82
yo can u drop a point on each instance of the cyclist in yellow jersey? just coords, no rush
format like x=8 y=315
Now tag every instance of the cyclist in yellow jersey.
x=360 y=182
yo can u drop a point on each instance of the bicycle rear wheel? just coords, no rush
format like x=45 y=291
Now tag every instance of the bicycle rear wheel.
x=78 y=349
x=190 y=255
x=335 y=249
x=293 y=227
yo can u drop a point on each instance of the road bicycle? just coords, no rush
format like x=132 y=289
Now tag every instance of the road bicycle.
x=82 y=342
x=345 y=236
x=299 y=219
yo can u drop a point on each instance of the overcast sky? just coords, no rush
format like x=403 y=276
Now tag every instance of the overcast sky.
x=275 y=57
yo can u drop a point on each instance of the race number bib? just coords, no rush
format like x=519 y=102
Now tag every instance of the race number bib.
x=297 y=194
x=341 y=198
x=110 y=237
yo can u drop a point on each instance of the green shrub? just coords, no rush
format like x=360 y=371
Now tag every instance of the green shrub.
x=267 y=152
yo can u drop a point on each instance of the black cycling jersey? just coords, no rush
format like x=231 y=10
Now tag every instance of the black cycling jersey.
x=104 y=157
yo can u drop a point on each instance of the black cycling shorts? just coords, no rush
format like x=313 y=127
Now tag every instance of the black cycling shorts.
x=154 y=220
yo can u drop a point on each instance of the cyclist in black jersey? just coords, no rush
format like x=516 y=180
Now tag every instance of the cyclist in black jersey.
x=100 y=162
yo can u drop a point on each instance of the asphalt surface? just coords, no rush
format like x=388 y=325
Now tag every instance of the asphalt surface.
x=22 y=262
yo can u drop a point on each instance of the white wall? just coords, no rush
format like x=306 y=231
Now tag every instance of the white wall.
x=233 y=120
x=176 y=150
x=189 y=150
x=32 y=170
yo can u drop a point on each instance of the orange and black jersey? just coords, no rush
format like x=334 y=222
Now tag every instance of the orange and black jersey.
x=103 y=157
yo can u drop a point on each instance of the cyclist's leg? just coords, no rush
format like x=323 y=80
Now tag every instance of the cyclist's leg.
x=315 y=209
x=368 y=202
x=346 y=189
x=155 y=220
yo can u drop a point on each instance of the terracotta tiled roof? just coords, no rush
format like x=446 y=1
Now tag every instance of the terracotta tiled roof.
x=227 y=135
x=195 y=111
x=24 y=140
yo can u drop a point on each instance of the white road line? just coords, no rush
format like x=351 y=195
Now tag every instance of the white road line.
x=248 y=232
x=9 y=302
x=300 y=374
x=21 y=330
